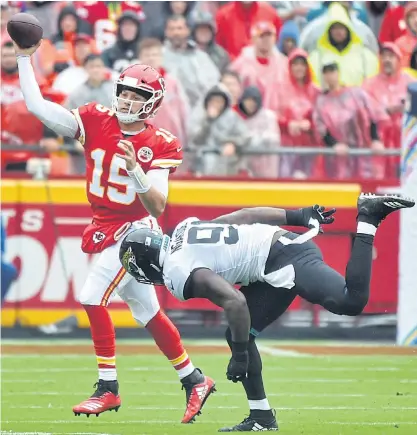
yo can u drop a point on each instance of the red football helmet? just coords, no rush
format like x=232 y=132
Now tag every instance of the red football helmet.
x=147 y=82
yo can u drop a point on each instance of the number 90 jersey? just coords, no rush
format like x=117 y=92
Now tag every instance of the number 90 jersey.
x=110 y=190
x=237 y=253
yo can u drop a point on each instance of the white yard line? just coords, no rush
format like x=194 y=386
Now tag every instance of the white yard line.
x=118 y=422
x=169 y=393
x=284 y=408
x=274 y=380
x=273 y=351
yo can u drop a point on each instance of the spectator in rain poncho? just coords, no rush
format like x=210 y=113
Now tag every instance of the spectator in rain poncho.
x=388 y=90
x=344 y=118
x=341 y=44
x=193 y=67
x=297 y=96
x=262 y=65
x=312 y=33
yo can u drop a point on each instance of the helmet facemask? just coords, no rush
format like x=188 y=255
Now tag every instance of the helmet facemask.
x=148 y=108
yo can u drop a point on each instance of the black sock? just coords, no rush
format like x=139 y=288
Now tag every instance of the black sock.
x=359 y=268
x=253 y=384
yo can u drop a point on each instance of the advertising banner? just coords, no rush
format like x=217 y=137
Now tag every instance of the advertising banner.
x=45 y=221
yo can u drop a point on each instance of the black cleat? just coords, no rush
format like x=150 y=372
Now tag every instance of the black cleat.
x=249 y=424
x=373 y=208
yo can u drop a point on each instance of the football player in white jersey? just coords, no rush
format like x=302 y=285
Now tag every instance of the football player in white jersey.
x=272 y=265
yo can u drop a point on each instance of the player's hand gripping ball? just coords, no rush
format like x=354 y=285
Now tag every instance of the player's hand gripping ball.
x=26 y=32
x=238 y=367
x=129 y=155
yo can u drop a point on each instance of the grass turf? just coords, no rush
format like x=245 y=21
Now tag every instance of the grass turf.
x=317 y=395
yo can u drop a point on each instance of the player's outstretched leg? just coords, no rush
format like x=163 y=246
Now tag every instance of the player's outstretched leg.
x=372 y=210
x=106 y=397
x=318 y=283
x=261 y=416
x=197 y=386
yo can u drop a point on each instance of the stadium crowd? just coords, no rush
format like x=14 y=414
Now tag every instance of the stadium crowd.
x=239 y=75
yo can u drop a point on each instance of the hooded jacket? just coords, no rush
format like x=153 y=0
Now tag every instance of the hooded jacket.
x=194 y=69
x=217 y=54
x=313 y=31
x=296 y=103
x=122 y=53
x=289 y=30
x=82 y=27
x=386 y=92
x=408 y=41
x=215 y=133
x=356 y=62
x=264 y=134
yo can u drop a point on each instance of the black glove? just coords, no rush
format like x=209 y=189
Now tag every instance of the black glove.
x=238 y=366
x=304 y=216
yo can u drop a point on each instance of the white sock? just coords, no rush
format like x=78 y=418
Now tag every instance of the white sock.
x=259 y=404
x=365 y=228
x=107 y=374
x=185 y=371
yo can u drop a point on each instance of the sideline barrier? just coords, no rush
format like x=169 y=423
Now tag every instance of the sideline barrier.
x=45 y=220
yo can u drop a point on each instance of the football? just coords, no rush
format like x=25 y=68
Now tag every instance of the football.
x=25 y=30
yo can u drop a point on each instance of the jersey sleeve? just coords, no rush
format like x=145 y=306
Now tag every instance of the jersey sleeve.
x=85 y=118
x=169 y=155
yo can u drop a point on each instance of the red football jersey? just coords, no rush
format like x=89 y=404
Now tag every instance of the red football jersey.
x=102 y=15
x=110 y=190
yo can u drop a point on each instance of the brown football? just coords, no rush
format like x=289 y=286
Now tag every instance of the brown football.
x=25 y=30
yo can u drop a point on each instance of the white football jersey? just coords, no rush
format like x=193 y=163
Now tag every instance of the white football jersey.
x=237 y=253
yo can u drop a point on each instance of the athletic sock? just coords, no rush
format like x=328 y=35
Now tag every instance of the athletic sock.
x=168 y=339
x=104 y=339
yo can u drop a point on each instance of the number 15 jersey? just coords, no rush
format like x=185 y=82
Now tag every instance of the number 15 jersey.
x=109 y=189
x=237 y=253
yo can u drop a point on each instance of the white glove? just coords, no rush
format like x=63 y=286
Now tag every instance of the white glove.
x=149 y=222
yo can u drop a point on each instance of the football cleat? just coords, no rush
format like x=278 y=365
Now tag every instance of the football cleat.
x=196 y=396
x=378 y=207
x=105 y=398
x=249 y=424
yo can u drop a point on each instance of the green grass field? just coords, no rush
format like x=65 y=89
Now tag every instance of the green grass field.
x=317 y=395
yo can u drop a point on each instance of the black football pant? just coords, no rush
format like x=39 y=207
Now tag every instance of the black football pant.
x=315 y=282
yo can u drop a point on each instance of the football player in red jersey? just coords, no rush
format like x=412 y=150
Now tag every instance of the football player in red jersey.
x=128 y=164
